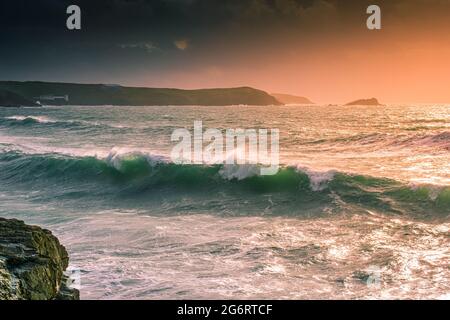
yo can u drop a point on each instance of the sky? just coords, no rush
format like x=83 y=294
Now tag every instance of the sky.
x=320 y=49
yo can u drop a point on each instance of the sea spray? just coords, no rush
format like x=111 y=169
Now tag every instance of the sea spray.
x=191 y=150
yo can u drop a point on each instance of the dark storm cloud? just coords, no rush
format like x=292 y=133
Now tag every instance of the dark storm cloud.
x=35 y=40
x=24 y=20
x=161 y=34
x=141 y=15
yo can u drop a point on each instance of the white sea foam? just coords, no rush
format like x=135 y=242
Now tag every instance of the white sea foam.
x=117 y=156
x=433 y=190
x=239 y=172
x=318 y=179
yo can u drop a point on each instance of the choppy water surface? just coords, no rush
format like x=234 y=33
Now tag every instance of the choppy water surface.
x=360 y=208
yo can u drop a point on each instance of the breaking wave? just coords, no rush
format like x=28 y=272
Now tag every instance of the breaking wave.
x=140 y=173
x=31 y=121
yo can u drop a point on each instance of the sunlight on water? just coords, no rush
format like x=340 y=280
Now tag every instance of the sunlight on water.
x=360 y=208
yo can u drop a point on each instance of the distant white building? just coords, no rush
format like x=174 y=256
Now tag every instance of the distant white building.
x=51 y=97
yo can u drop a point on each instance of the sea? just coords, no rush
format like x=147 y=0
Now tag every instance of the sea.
x=359 y=208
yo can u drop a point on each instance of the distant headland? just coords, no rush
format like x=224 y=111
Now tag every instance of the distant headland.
x=291 y=99
x=11 y=99
x=30 y=93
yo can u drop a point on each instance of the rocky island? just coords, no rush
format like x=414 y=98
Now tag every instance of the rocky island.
x=32 y=264
x=364 y=102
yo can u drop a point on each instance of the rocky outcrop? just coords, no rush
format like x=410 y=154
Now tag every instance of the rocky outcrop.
x=32 y=264
x=365 y=102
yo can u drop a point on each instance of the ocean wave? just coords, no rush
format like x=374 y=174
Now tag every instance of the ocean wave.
x=25 y=121
x=440 y=139
x=138 y=172
x=29 y=119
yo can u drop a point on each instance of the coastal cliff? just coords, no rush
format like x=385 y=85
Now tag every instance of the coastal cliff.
x=13 y=100
x=50 y=93
x=32 y=262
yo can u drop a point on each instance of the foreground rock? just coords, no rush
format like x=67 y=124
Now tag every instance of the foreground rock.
x=365 y=102
x=32 y=262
